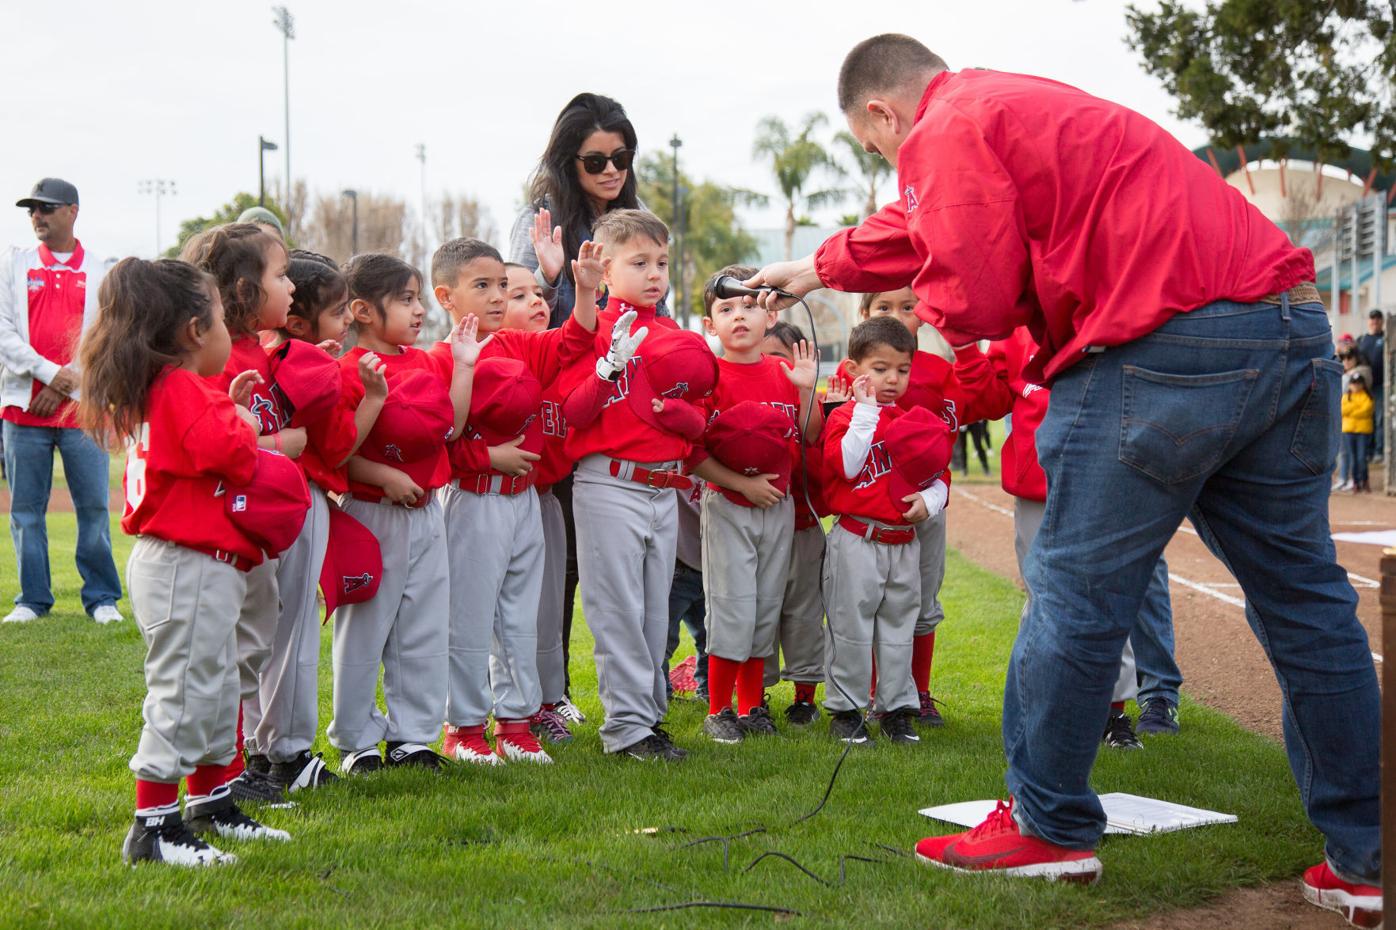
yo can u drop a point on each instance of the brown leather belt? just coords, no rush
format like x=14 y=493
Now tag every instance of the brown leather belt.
x=1304 y=293
x=877 y=534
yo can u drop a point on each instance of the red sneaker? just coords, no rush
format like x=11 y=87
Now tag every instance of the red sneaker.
x=1360 y=905
x=514 y=742
x=996 y=845
x=468 y=744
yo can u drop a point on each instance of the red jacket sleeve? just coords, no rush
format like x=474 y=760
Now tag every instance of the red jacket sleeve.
x=984 y=387
x=876 y=255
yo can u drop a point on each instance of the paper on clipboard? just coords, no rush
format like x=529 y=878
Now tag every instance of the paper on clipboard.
x=1125 y=814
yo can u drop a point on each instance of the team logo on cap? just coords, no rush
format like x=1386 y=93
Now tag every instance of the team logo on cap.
x=239 y=503
x=393 y=452
x=677 y=391
x=352 y=583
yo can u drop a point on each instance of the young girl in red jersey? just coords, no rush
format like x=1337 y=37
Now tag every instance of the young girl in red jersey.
x=249 y=265
x=391 y=478
x=145 y=365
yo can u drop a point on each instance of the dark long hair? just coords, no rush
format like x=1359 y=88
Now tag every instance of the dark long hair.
x=554 y=182
x=236 y=255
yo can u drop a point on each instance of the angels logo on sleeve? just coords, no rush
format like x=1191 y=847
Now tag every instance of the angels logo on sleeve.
x=911 y=202
x=265 y=409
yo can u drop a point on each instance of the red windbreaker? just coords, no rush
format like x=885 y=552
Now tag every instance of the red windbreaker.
x=997 y=385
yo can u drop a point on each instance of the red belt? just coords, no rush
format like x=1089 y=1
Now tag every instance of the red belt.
x=508 y=485
x=651 y=479
x=241 y=562
x=877 y=534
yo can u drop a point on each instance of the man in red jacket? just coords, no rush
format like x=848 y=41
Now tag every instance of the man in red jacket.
x=1190 y=362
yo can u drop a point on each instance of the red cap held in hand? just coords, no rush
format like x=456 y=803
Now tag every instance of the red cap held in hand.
x=270 y=509
x=306 y=378
x=504 y=400
x=674 y=364
x=353 y=563
x=918 y=443
x=753 y=439
x=413 y=423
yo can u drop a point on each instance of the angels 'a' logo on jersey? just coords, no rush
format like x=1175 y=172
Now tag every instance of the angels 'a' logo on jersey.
x=351 y=583
x=391 y=451
x=878 y=464
x=265 y=410
x=622 y=382
x=911 y=202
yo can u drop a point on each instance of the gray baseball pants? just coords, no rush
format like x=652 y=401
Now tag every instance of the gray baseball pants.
x=290 y=682
x=931 y=536
x=872 y=592
x=552 y=666
x=627 y=534
x=186 y=606
x=801 y=614
x=261 y=613
x=404 y=628
x=495 y=543
x=746 y=561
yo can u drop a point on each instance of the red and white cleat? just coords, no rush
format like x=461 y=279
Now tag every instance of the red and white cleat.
x=468 y=744
x=514 y=742
x=997 y=845
x=1360 y=905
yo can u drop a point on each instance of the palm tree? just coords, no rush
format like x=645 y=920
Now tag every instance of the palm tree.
x=795 y=160
x=870 y=168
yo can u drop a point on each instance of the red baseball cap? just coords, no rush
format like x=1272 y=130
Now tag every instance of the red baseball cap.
x=413 y=423
x=674 y=364
x=753 y=439
x=504 y=400
x=918 y=443
x=307 y=380
x=270 y=509
x=353 y=563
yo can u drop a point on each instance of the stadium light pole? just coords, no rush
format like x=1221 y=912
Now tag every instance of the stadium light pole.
x=159 y=187
x=264 y=145
x=421 y=155
x=286 y=25
x=353 y=196
x=682 y=308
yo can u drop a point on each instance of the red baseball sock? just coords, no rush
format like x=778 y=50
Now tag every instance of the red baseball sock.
x=205 y=780
x=1117 y=706
x=804 y=692
x=872 y=687
x=922 y=650
x=722 y=679
x=751 y=684
x=155 y=794
x=235 y=768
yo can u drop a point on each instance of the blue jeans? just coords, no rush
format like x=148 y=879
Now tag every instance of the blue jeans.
x=1356 y=448
x=1378 y=445
x=1152 y=638
x=688 y=606
x=29 y=467
x=1228 y=415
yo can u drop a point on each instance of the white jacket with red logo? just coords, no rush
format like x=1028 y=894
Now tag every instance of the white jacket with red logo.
x=21 y=363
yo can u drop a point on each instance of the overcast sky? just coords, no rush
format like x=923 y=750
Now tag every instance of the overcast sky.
x=108 y=93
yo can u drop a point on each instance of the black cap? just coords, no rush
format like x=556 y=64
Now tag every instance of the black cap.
x=1376 y=315
x=50 y=190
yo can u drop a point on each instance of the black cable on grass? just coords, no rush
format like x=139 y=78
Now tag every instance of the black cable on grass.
x=735 y=905
x=843 y=862
x=726 y=842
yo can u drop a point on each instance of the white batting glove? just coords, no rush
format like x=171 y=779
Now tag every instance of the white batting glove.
x=623 y=346
x=936 y=497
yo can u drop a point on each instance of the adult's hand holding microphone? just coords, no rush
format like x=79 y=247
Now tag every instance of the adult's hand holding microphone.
x=779 y=284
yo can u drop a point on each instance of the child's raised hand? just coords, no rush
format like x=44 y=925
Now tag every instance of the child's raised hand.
x=372 y=372
x=547 y=244
x=400 y=489
x=464 y=349
x=805 y=371
x=240 y=389
x=588 y=268
x=839 y=390
x=623 y=346
x=862 y=390
x=331 y=346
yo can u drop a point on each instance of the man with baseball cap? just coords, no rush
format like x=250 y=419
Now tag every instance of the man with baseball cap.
x=48 y=298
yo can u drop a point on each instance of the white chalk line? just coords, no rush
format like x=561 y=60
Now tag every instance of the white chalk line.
x=1179 y=579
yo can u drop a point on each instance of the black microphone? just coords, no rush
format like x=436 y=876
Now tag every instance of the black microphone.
x=726 y=287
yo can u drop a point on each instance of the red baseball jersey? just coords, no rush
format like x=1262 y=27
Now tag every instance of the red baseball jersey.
x=617 y=431
x=999 y=386
x=191 y=442
x=57 y=297
x=429 y=473
x=933 y=385
x=764 y=382
x=328 y=442
x=248 y=355
x=866 y=495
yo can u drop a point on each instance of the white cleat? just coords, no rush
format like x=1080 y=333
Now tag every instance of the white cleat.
x=107 y=613
x=20 y=614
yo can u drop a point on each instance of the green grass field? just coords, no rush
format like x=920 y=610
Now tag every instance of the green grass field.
x=561 y=846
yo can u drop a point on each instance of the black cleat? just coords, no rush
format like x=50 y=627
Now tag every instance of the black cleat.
x=758 y=722
x=674 y=753
x=166 y=838
x=649 y=749
x=360 y=762
x=304 y=771
x=256 y=786
x=221 y=816
x=413 y=754
x=1159 y=715
x=723 y=727
x=847 y=726
x=929 y=714
x=897 y=726
x=1119 y=732
x=801 y=714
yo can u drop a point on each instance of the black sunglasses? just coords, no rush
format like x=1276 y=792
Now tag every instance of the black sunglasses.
x=44 y=208
x=595 y=163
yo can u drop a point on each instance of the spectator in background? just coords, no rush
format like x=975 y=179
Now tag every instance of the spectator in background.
x=48 y=298
x=1373 y=349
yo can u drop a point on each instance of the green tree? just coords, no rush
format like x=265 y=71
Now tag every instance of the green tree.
x=224 y=214
x=869 y=169
x=712 y=235
x=1320 y=74
x=796 y=160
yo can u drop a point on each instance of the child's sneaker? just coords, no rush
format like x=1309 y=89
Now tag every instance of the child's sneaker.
x=758 y=722
x=304 y=771
x=468 y=744
x=165 y=838
x=570 y=711
x=671 y=752
x=417 y=755
x=254 y=785
x=897 y=727
x=1159 y=715
x=222 y=816
x=1360 y=905
x=1119 y=731
x=515 y=742
x=997 y=845
x=847 y=726
x=361 y=762
x=649 y=749
x=929 y=715
x=723 y=727
x=550 y=725
x=801 y=714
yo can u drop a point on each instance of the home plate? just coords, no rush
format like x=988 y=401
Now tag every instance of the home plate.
x=1127 y=814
